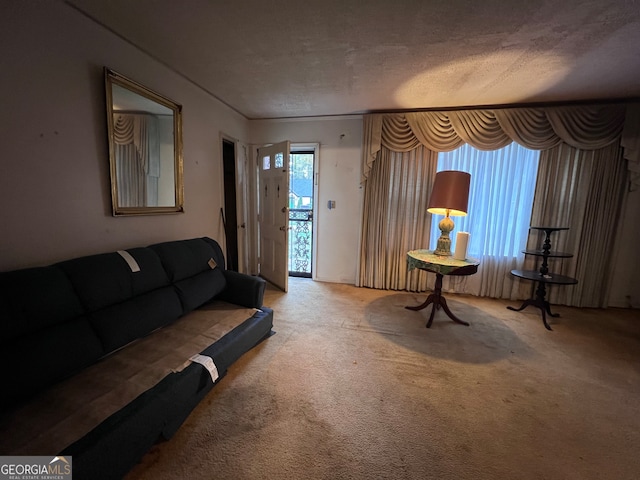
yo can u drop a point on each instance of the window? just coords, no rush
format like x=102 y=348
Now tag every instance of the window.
x=500 y=198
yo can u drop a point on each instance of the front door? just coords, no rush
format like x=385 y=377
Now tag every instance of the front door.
x=273 y=214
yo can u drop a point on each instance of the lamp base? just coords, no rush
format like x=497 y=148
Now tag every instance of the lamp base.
x=443 y=247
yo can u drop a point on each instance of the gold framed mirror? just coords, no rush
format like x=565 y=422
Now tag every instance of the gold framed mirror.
x=145 y=148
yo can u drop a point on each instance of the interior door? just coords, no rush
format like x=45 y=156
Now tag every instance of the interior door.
x=242 y=209
x=273 y=213
x=229 y=213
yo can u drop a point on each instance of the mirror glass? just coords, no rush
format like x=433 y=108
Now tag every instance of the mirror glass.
x=145 y=148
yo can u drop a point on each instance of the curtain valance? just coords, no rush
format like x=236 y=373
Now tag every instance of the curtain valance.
x=123 y=129
x=142 y=132
x=585 y=127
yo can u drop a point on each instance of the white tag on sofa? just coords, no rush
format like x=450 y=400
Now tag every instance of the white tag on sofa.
x=133 y=265
x=212 y=263
x=206 y=362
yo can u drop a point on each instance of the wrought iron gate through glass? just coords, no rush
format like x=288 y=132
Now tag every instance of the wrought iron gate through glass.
x=301 y=213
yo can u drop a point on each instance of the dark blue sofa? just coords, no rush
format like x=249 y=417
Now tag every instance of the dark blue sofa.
x=60 y=319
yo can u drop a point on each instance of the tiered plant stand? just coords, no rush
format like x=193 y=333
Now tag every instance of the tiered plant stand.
x=543 y=276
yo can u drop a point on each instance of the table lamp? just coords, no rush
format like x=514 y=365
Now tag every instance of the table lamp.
x=449 y=197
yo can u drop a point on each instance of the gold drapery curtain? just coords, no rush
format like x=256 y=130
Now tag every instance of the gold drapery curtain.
x=137 y=159
x=594 y=131
x=132 y=129
x=630 y=141
x=394 y=218
x=130 y=157
x=582 y=190
x=583 y=127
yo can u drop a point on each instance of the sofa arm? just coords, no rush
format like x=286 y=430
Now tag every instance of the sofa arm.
x=244 y=290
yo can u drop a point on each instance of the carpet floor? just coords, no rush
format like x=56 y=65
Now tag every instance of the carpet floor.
x=353 y=386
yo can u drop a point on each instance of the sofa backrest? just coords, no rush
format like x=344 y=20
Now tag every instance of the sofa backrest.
x=123 y=302
x=195 y=267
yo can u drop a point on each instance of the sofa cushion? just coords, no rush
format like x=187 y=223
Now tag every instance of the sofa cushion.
x=124 y=322
x=106 y=279
x=217 y=251
x=186 y=258
x=33 y=299
x=151 y=275
x=200 y=289
x=188 y=264
x=39 y=359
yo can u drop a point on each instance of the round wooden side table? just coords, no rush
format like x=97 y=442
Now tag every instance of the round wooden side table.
x=440 y=265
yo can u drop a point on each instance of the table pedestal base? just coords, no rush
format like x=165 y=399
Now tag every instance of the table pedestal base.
x=544 y=307
x=438 y=301
x=540 y=303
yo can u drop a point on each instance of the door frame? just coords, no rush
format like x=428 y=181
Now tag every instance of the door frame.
x=242 y=190
x=306 y=146
x=252 y=233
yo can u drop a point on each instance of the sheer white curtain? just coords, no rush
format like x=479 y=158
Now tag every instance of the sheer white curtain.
x=500 y=200
x=137 y=158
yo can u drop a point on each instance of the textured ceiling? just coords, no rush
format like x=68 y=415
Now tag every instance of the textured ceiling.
x=286 y=58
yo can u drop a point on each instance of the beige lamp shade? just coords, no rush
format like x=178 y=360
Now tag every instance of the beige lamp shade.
x=450 y=193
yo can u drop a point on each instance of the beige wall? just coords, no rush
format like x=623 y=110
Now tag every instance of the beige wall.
x=625 y=283
x=338 y=171
x=54 y=174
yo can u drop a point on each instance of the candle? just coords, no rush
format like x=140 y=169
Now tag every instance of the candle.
x=462 y=242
